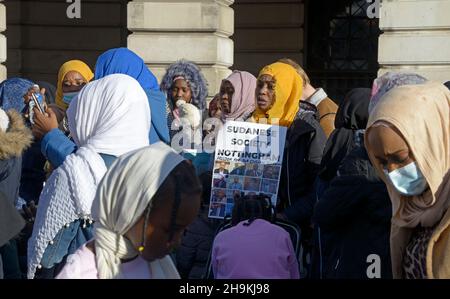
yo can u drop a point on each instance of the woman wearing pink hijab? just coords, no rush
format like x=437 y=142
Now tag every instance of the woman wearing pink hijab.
x=237 y=96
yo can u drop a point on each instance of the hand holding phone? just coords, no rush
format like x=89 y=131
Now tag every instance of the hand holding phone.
x=36 y=99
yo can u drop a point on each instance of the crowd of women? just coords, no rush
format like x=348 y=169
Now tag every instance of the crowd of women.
x=105 y=181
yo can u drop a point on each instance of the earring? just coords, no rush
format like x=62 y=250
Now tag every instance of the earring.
x=141 y=248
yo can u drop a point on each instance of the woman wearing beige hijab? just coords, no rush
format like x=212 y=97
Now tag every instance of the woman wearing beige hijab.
x=408 y=141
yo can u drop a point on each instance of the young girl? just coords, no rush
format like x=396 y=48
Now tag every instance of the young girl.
x=253 y=248
x=143 y=204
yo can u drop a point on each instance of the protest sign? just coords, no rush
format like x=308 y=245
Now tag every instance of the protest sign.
x=248 y=161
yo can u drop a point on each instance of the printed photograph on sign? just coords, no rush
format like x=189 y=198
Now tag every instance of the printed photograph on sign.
x=237 y=168
x=219 y=196
x=235 y=182
x=248 y=161
x=217 y=210
x=269 y=186
x=220 y=174
x=252 y=183
x=253 y=169
x=271 y=172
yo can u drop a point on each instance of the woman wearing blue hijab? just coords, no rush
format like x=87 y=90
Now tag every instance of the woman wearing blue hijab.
x=56 y=147
x=12 y=92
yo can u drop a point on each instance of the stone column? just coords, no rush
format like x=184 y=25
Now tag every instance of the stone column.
x=197 y=30
x=416 y=37
x=2 y=41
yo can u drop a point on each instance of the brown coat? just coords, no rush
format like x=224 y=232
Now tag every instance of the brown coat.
x=327 y=113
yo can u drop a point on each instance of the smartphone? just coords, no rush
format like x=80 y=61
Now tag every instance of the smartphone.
x=38 y=99
x=37 y=102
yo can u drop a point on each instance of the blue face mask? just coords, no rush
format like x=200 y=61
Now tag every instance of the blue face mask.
x=69 y=96
x=408 y=180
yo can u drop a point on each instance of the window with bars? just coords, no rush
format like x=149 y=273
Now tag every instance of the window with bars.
x=342 y=46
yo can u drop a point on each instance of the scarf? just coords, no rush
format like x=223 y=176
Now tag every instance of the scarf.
x=12 y=92
x=352 y=115
x=122 y=197
x=288 y=91
x=72 y=65
x=243 y=101
x=428 y=135
x=110 y=116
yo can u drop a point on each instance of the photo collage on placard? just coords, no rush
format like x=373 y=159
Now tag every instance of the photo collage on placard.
x=237 y=178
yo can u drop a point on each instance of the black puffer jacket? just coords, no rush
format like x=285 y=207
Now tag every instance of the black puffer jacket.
x=354 y=216
x=193 y=253
x=13 y=143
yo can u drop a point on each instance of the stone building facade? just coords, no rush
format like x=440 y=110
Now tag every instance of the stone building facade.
x=336 y=41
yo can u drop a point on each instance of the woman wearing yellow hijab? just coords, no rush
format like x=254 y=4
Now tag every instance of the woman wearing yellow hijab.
x=72 y=76
x=278 y=92
x=408 y=142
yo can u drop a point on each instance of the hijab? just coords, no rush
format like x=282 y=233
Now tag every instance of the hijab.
x=243 y=101
x=127 y=189
x=288 y=91
x=352 y=115
x=12 y=92
x=71 y=65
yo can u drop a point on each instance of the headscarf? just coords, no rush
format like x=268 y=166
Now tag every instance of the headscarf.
x=190 y=72
x=71 y=65
x=388 y=81
x=243 y=101
x=421 y=114
x=127 y=189
x=109 y=116
x=125 y=61
x=12 y=92
x=352 y=115
x=288 y=91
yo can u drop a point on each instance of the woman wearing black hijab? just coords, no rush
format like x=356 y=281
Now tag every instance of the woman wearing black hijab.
x=352 y=115
x=352 y=215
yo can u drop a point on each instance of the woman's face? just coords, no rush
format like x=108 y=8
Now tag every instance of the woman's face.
x=389 y=148
x=226 y=94
x=73 y=81
x=265 y=92
x=157 y=244
x=181 y=91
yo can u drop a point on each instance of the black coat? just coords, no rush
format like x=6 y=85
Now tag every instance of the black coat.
x=193 y=253
x=354 y=216
x=33 y=174
x=13 y=142
x=305 y=143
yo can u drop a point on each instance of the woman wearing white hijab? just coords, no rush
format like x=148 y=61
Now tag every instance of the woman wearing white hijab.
x=142 y=206
x=109 y=118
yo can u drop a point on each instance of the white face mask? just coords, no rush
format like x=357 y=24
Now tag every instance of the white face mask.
x=408 y=180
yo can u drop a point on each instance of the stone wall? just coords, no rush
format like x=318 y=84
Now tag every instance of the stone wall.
x=416 y=38
x=200 y=31
x=41 y=37
x=267 y=30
